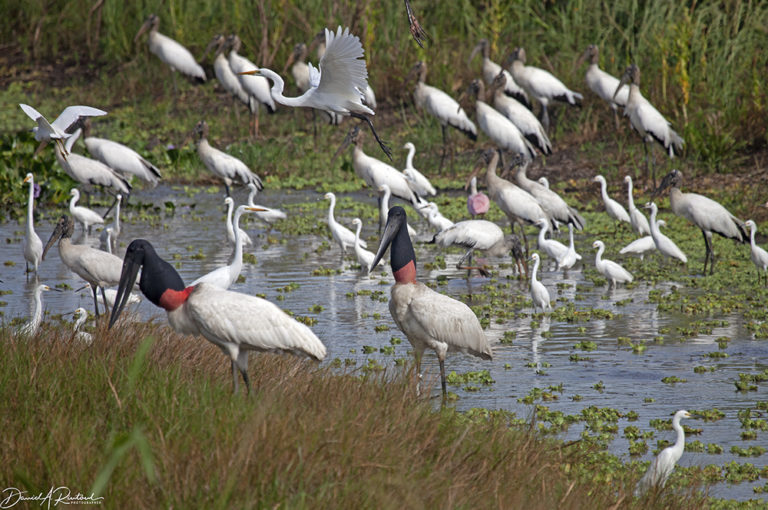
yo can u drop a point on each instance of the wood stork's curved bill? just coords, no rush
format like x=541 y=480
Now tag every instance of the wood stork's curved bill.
x=669 y=180
x=402 y=257
x=632 y=74
x=147 y=24
x=351 y=134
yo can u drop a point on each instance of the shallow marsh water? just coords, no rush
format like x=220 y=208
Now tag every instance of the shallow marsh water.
x=353 y=320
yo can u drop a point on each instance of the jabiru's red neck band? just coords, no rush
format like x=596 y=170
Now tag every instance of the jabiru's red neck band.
x=172 y=299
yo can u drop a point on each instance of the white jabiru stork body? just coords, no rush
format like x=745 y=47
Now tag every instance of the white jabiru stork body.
x=416 y=180
x=33 y=246
x=119 y=157
x=440 y=105
x=647 y=121
x=236 y=323
x=570 y=257
x=57 y=130
x=256 y=87
x=664 y=463
x=428 y=319
x=614 y=209
x=636 y=217
x=480 y=235
x=229 y=168
x=554 y=249
x=99 y=268
x=520 y=116
x=552 y=203
x=85 y=216
x=603 y=84
x=32 y=326
x=341 y=234
x=612 y=271
x=758 y=255
x=364 y=257
x=491 y=70
x=540 y=84
x=539 y=293
x=500 y=129
x=80 y=316
x=89 y=172
x=664 y=244
x=231 y=235
x=386 y=194
x=703 y=212
x=375 y=172
x=265 y=214
x=224 y=277
x=337 y=86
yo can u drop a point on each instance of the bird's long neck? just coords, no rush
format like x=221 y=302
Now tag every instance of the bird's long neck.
x=634 y=91
x=117 y=217
x=680 y=441
x=543 y=233
x=72 y=204
x=331 y=219
x=31 y=206
x=604 y=190
x=357 y=235
x=752 y=230
x=570 y=237
x=599 y=254
x=653 y=225
x=630 y=198
x=237 y=257
x=278 y=86
x=402 y=257
x=409 y=158
x=473 y=186
x=37 y=316
x=535 y=270
x=230 y=230
x=252 y=196
x=80 y=320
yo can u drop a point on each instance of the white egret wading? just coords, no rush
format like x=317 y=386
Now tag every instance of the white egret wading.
x=758 y=255
x=539 y=293
x=612 y=271
x=664 y=244
x=664 y=463
x=33 y=246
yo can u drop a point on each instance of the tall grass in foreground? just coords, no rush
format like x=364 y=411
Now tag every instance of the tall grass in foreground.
x=148 y=416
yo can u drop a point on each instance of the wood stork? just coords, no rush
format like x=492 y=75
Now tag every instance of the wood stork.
x=554 y=249
x=341 y=234
x=441 y=106
x=614 y=209
x=477 y=203
x=173 y=54
x=491 y=70
x=231 y=233
x=416 y=180
x=386 y=194
x=364 y=257
x=758 y=255
x=642 y=245
x=664 y=244
x=608 y=268
x=119 y=157
x=602 y=83
x=337 y=86
x=520 y=116
x=99 y=268
x=540 y=84
x=57 y=130
x=85 y=216
x=636 y=218
x=222 y=164
x=31 y=327
x=255 y=87
x=33 y=246
x=435 y=217
x=89 y=172
x=570 y=257
x=555 y=207
x=647 y=121
x=500 y=129
x=265 y=214
x=110 y=233
x=418 y=33
x=479 y=235
x=224 y=277
x=234 y=322
x=80 y=316
x=703 y=212
x=664 y=463
x=428 y=319
x=224 y=73
x=539 y=293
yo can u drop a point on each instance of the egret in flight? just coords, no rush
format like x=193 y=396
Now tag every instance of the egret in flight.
x=56 y=131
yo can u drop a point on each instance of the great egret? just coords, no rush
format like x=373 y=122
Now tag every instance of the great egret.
x=85 y=216
x=608 y=268
x=664 y=463
x=539 y=293
x=56 y=131
x=33 y=246
x=758 y=255
x=664 y=244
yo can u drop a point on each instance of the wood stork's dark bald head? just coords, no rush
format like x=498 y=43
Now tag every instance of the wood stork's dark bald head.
x=64 y=229
x=672 y=180
x=402 y=257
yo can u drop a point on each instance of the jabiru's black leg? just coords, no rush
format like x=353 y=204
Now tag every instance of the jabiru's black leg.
x=381 y=143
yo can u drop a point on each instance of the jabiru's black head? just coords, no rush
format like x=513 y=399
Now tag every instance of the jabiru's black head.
x=160 y=282
x=402 y=257
x=671 y=180
x=65 y=227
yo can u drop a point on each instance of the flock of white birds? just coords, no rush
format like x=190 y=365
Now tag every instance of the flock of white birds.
x=339 y=88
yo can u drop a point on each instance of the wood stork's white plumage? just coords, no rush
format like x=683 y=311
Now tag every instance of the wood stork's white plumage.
x=758 y=255
x=80 y=316
x=224 y=277
x=428 y=319
x=539 y=293
x=477 y=203
x=386 y=194
x=703 y=212
x=491 y=70
x=647 y=121
x=364 y=257
x=110 y=233
x=57 y=130
x=642 y=245
x=570 y=257
x=256 y=87
x=520 y=116
x=119 y=157
x=90 y=172
x=552 y=203
x=664 y=463
x=224 y=73
x=222 y=164
x=33 y=246
x=540 y=84
x=612 y=271
x=341 y=234
x=416 y=180
x=231 y=237
x=479 y=235
x=99 y=268
x=375 y=172
x=440 y=105
x=500 y=129
x=265 y=214
x=236 y=323
x=664 y=244
x=603 y=84
x=31 y=327
x=85 y=216
x=636 y=217
x=614 y=209
x=554 y=249
x=337 y=86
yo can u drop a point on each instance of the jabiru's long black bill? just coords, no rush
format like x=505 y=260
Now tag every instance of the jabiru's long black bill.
x=396 y=235
x=131 y=265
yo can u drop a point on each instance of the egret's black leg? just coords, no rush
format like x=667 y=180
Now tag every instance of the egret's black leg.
x=381 y=143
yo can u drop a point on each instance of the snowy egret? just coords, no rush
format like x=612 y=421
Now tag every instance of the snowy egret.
x=539 y=293
x=608 y=268
x=759 y=256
